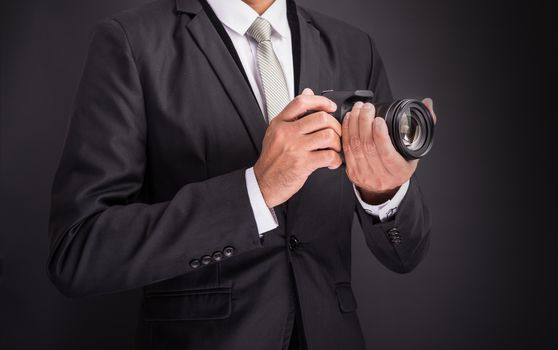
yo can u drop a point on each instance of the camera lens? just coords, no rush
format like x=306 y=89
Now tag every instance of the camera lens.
x=410 y=125
x=409 y=130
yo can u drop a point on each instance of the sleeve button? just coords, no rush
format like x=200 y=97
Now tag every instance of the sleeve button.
x=393 y=232
x=228 y=251
x=394 y=237
x=205 y=260
x=218 y=256
x=195 y=263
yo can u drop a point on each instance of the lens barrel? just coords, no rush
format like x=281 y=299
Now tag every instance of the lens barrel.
x=410 y=123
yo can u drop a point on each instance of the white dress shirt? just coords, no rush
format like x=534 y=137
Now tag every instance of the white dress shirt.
x=237 y=16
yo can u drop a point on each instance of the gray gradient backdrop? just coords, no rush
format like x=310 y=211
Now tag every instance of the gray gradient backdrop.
x=487 y=282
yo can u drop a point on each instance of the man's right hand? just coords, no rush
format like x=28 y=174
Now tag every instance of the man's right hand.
x=293 y=148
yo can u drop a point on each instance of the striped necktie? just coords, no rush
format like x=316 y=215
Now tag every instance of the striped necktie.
x=276 y=93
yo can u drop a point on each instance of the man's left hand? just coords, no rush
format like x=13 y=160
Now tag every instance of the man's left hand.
x=372 y=162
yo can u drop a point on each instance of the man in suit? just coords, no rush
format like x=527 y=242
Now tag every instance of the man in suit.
x=188 y=171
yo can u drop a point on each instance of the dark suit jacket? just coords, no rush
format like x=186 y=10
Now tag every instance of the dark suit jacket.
x=152 y=177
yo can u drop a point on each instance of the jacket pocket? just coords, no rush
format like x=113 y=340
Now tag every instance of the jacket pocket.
x=188 y=305
x=345 y=297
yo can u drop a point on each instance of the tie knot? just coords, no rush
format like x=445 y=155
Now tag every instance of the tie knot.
x=260 y=30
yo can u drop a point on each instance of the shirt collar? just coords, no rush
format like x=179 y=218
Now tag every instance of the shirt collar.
x=239 y=16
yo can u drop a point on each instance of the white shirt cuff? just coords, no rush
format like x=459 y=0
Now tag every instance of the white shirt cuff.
x=387 y=209
x=265 y=217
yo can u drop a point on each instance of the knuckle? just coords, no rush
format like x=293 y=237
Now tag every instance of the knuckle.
x=324 y=137
x=326 y=118
x=330 y=135
x=300 y=100
x=321 y=117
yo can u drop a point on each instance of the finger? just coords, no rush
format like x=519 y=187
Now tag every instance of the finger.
x=354 y=166
x=303 y=103
x=430 y=105
x=317 y=121
x=345 y=134
x=324 y=158
x=387 y=153
x=322 y=139
x=350 y=162
x=355 y=143
x=365 y=127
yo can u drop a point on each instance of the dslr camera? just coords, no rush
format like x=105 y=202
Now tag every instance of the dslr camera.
x=410 y=123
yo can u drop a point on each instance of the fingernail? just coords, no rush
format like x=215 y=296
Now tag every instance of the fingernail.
x=358 y=104
x=347 y=115
x=367 y=105
x=333 y=105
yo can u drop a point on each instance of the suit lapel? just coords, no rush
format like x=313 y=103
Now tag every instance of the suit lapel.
x=309 y=54
x=228 y=72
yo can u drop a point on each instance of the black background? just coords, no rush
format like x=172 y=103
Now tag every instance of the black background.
x=487 y=282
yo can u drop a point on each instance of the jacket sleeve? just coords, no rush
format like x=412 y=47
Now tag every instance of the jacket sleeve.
x=102 y=238
x=401 y=242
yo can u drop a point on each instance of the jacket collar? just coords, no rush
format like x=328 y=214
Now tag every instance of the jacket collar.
x=194 y=7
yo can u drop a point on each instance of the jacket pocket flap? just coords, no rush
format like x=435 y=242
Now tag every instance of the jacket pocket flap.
x=345 y=297
x=202 y=304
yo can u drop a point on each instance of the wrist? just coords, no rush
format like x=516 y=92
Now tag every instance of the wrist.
x=376 y=197
x=262 y=185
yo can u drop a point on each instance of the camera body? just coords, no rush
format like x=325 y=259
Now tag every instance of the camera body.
x=410 y=123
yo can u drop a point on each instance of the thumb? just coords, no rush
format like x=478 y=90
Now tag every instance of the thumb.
x=307 y=91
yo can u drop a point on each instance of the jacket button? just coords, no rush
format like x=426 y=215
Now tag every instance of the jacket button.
x=218 y=256
x=228 y=251
x=195 y=263
x=206 y=259
x=294 y=243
